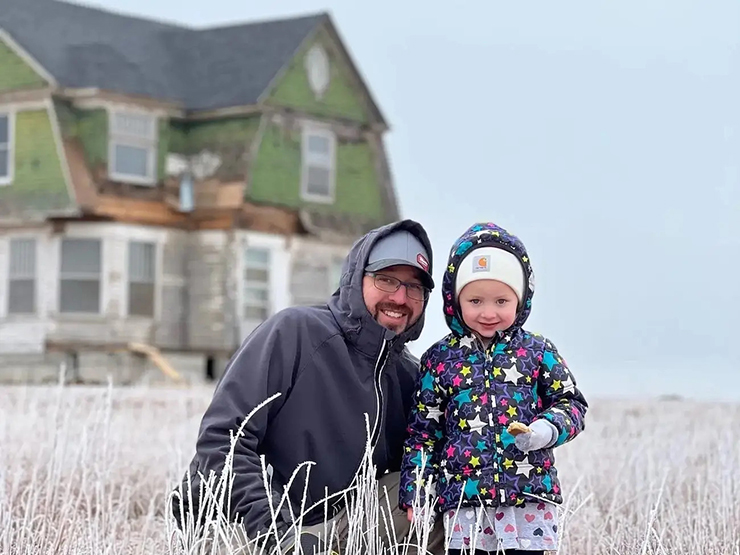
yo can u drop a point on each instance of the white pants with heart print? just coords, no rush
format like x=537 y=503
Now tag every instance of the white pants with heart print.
x=531 y=527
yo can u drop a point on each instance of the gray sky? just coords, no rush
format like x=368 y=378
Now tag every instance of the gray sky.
x=605 y=134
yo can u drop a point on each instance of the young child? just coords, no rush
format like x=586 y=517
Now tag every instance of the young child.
x=473 y=385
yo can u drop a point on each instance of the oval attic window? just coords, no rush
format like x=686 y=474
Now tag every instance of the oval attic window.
x=317 y=68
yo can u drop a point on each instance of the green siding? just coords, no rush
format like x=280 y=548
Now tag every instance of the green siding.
x=230 y=139
x=15 y=73
x=38 y=180
x=276 y=176
x=163 y=147
x=92 y=131
x=90 y=127
x=341 y=99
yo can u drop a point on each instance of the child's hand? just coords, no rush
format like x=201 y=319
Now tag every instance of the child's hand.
x=410 y=514
x=542 y=434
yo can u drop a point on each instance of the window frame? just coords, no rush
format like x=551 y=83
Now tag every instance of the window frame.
x=150 y=144
x=154 y=281
x=61 y=277
x=309 y=159
x=33 y=278
x=9 y=147
x=264 y=286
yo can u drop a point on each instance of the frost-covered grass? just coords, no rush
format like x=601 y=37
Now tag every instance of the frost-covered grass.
x=89 y=471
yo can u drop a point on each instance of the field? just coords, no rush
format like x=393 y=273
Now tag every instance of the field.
x=88 y=471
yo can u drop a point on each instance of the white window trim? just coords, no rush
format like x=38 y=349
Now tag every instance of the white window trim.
x=150 y=144
x=7 y=180
x=316 y=130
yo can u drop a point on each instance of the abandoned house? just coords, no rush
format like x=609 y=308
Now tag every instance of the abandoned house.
x=164 y=189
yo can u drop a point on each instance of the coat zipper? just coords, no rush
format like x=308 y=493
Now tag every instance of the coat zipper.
x=379 y=365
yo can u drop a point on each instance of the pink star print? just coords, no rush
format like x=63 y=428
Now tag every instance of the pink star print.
x=547 y=463
x=467 y=453
x=484 y=398
x=456 y=381
x=502 y=419
x=556 y=489
x=440 y=368
x=450 y=451
x=521 y=352
x=504 y=402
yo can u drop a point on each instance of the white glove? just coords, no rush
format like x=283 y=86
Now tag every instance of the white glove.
x=543 y=434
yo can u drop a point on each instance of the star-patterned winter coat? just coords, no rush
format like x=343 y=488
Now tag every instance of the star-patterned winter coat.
x=467 y=396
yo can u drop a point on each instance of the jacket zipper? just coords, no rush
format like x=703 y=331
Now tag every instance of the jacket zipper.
x=379 y=365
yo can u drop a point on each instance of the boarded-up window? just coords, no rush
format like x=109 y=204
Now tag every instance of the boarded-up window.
x=318 y=153
x=5 y=149
x=79 y=287
x=256 y=284
x=22 y=277
x=141 y=272
x=133 y=147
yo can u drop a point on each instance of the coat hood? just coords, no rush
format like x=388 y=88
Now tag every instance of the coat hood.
x=477 y=236
x=347 y=303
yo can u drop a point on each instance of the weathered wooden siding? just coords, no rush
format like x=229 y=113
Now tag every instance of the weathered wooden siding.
x=211 y=317
x=315 y=270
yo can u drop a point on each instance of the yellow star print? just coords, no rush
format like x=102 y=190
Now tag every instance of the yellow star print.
x=512 y=411
x=463 y=423
x=496 y=371
x=556 y=385
x=474 y=461
x=465 y=370
x=508 y=463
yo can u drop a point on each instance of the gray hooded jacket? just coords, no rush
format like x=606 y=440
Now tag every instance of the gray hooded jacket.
x=332 y=365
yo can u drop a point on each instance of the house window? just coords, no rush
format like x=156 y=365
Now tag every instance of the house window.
x=133 y=147
x=6 y=151
x=141 y=272
x=22 y=277
x=256 y=284
x=79 y=287
x=318 y=165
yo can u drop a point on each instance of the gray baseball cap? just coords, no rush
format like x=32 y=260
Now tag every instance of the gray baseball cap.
x=400 y=248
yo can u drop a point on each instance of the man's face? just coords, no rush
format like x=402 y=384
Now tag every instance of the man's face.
x=395 y=311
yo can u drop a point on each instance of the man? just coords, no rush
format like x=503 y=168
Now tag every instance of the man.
x=331 y=364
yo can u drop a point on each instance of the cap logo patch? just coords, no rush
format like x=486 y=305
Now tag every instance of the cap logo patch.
x=481 y=263
x=423 y=262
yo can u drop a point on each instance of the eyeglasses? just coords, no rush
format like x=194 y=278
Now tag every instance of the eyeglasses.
x=390 y=284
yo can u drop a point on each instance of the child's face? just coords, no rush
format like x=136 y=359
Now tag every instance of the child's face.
x=488 y=306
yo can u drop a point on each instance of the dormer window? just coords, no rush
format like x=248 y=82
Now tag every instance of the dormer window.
x=318 y=164
x=133 y=148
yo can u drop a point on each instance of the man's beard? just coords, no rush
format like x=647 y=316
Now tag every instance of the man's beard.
x=401 y=326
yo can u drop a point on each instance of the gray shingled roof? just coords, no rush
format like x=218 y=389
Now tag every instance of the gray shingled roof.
x=201 y=68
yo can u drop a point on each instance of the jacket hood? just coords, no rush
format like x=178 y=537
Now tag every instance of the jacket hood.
x=477 y=236
x=347 y=303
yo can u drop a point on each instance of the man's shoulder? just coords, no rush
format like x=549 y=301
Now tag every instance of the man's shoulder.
x=316 y=322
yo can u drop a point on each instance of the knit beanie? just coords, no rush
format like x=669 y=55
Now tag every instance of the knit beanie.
x=491 y=263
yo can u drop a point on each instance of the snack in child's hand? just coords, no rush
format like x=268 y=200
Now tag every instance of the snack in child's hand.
x=516 y=428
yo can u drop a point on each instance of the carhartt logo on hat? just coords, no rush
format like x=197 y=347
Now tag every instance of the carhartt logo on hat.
x=400 y=248
x=481 y=263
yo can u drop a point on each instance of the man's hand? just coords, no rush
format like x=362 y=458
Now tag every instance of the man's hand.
x=542 y=434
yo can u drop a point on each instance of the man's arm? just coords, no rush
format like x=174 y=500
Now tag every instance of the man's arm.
x=263 y=366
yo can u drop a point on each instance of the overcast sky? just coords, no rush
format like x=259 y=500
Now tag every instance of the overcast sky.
x=605 y=134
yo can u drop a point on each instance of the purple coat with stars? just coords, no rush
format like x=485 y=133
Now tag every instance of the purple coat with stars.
x=466 y=397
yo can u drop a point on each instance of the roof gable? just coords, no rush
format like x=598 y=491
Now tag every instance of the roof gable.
x=201 y=69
